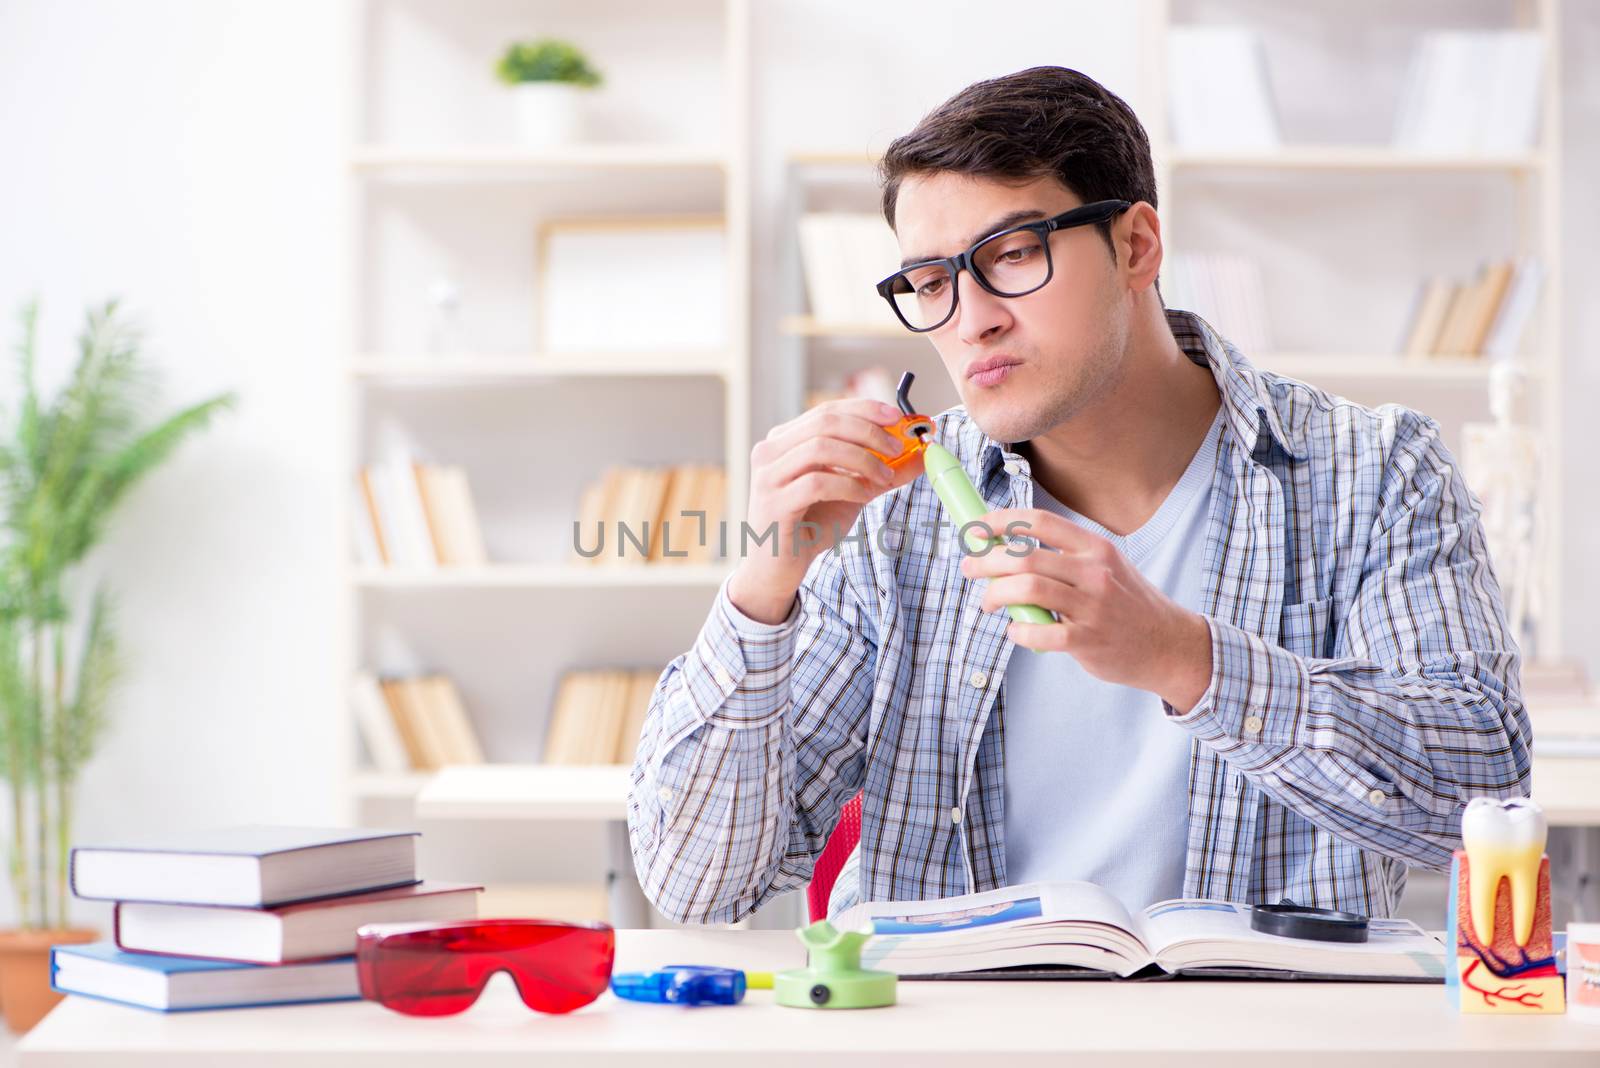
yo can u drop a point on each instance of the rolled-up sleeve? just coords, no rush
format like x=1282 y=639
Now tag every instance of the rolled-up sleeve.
x=1385 y=744
x=752 y=742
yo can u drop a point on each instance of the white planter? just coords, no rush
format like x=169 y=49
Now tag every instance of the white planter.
x=547 y=112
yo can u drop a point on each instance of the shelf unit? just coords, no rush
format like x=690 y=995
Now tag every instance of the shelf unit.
x=1368 y=376
x=1534 y=178
x=427 y=195
x=432 y=175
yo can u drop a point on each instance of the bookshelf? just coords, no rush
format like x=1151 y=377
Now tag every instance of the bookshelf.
x=472 y=162
x=1524 y=185
x=532 y=425
x=436 y=184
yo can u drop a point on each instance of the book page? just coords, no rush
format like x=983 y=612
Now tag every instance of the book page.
x=1004 y=905
x=1200 y=933
x=1070 y=923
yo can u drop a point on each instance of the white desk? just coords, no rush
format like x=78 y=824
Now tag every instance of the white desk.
x=1191 y=1023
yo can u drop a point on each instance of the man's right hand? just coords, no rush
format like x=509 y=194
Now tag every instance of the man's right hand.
x=809 y=480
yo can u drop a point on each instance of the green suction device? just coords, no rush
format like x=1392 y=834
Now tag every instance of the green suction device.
x=833 y=978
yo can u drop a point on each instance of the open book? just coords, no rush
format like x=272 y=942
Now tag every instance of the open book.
x=1078 y=930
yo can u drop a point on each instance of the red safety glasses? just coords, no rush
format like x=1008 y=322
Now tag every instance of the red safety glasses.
x=434 y=969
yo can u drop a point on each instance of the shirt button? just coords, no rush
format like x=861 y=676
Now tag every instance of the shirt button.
x=720 y=673
x=1013 y=468
x=1252 y=724
x=1376 y=797
x=955 y=814
x=979 y=679
x=664 y=795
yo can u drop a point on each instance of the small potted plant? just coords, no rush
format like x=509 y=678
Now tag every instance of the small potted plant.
x=65 y=464
x=547 y=77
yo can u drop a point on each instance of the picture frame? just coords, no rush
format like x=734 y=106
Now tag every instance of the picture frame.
x=632 y=283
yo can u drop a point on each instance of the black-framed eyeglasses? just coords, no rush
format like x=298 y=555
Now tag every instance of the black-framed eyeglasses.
x=1011 y=263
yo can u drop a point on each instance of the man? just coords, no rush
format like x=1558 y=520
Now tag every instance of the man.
x=1280 y=666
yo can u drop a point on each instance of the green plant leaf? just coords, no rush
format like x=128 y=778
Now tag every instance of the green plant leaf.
x=64 y=467
x=100 y=665
x=545 y=60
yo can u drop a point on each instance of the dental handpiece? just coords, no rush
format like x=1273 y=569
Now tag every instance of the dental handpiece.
x=955 y=491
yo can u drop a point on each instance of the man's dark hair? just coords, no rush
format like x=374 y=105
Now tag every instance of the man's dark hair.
x=1037 y=122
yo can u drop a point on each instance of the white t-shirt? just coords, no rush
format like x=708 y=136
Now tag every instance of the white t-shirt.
x=1096 y=778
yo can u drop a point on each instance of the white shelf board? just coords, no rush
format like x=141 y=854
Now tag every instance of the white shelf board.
x=1565 y=786
x=1389 y=367
x=1291 y=157
x=1568 y=789
x=1352 y=158
x=468 y=370
x=379 y=785
x=491 y=159
x=526 y=792
x=541 y=576
x=822 y=157
x=1386 y=366
x=806 y=326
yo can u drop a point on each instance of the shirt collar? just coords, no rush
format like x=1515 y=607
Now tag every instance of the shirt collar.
x=1247 y=402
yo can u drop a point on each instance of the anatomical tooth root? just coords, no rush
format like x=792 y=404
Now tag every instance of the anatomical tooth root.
x=1500 y=913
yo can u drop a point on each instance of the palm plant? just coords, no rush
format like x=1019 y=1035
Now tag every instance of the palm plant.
x=65 y=465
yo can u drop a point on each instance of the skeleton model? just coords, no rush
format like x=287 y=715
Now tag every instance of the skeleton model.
x=1501 y=462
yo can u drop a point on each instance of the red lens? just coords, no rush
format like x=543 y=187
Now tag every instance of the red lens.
x=439 y=969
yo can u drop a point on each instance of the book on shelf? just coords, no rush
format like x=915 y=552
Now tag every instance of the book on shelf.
x=416 y=723
x=1428 y=314
x=417 y=515
x=1077 y=930
x=643 y=515
x=1516 y=310
x=1224 y=290
x=461 y=740
x=1485 y=316
x=1472 y=91
x=843 y=256
x=386 y=748
x=597 y=716
x=1218 y=90
x=452 y=516
x=314 y=930
x=253 y=866
x=177 y=984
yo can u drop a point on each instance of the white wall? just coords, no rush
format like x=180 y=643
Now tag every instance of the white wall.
x=187 y=156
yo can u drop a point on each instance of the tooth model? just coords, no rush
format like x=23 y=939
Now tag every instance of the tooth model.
x=1500 y=912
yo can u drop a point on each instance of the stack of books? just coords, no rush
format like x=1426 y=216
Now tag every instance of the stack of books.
x=1472 y=91
x=417 y=515
x=1219 y=91
x=1484 y=317
x=843 y=256
x=244 y=916
x=598 y=716
x=1226 y=291
x=652 y=515
x=416 y=723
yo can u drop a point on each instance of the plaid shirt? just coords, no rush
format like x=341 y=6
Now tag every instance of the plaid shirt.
x=1364 y=684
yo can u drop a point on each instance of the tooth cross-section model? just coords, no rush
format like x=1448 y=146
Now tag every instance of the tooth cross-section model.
x=1500 y=912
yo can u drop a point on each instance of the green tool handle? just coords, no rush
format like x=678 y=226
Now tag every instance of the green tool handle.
x=961 y=500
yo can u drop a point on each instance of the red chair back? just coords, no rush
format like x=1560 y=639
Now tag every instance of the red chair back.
x=831 y=860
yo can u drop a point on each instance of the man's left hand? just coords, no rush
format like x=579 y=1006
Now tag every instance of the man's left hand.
x=1111 y=619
